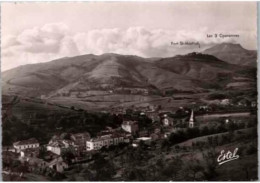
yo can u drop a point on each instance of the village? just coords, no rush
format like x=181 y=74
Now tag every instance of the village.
x=66 y=149
x=82 y=143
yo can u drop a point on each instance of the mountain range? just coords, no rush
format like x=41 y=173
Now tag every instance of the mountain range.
x=194 y=73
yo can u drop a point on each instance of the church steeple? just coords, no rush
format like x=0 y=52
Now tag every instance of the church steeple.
x=191 y=121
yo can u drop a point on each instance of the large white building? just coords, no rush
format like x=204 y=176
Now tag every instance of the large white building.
x=130 y=126
x=106 y=141
x=26 y=144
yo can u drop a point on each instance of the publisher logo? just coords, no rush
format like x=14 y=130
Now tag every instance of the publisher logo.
x=225 y=157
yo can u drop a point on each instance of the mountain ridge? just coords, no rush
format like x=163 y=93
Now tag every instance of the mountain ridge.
x=194 y=72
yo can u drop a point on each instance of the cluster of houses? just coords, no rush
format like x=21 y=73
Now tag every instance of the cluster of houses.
x=29 y=151
x=243 y=102
x=82 y=143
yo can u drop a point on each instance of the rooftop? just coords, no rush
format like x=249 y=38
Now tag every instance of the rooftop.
x=61 y=143
x=27 y=142
x=108 y=136
x=55 y=161
x=144 y=138
x=129 y=122
x=81 y=135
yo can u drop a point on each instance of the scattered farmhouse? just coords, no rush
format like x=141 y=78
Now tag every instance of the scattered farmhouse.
x=225 y=102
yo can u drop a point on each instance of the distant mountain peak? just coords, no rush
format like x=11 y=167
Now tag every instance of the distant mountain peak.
x=233 y=53
x=226 y=47
x=230 y=44
x=110 y=54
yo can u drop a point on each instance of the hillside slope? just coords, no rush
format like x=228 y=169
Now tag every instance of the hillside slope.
x=187 y=73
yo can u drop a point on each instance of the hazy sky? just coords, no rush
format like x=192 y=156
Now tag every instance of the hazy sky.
x=39 y=32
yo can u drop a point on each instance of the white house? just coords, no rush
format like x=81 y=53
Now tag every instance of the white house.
x=225 y=102
x=130 y=126
x=166 y=121
x=26 y=144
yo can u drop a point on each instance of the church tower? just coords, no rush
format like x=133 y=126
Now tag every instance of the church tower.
x=191 y=121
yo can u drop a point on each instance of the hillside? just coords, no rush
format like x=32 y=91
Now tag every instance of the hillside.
x=114 y=79
x=233 y=53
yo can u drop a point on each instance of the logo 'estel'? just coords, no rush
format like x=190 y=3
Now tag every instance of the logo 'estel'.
x=228 y=156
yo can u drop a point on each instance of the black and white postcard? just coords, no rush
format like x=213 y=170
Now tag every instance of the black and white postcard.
x=129 y=91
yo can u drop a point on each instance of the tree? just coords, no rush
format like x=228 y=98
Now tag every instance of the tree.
x=135 y=174
x=105 y=173
x=42 y=152
x=159 y=163
x=172 y=170
x=193 y=168
x=165 y=145
x=247 y=167
x=68 y=156
x=210 y=157
x=104 y=169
